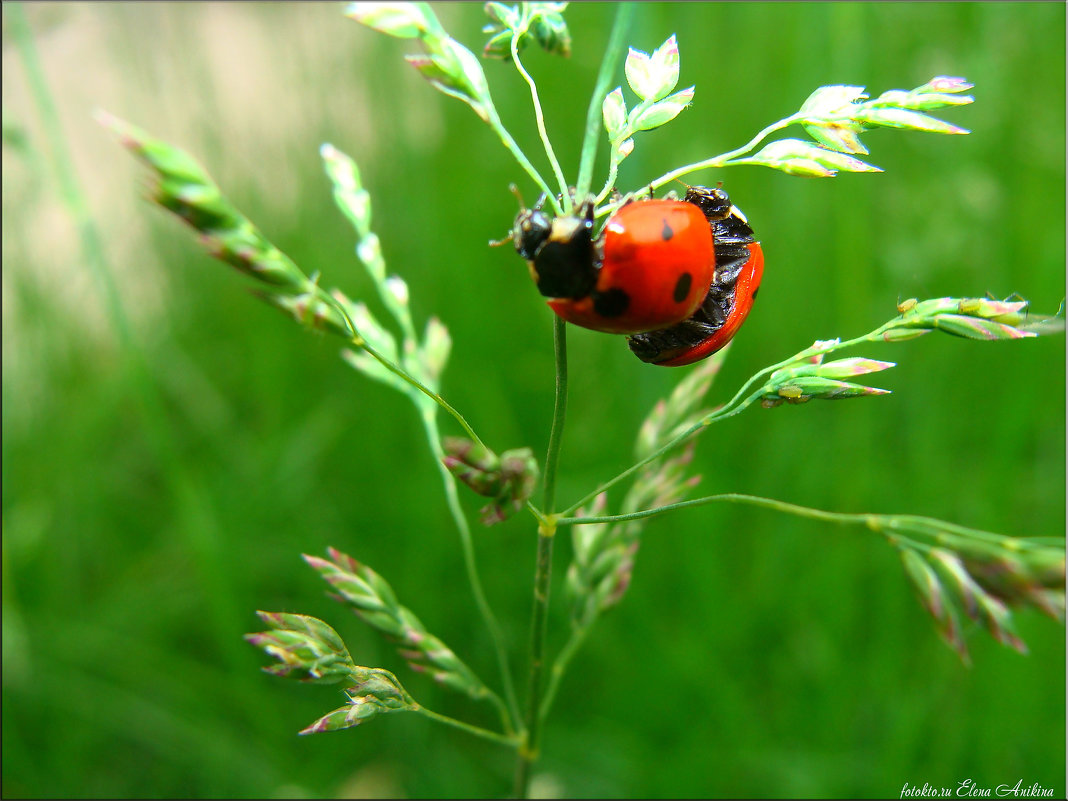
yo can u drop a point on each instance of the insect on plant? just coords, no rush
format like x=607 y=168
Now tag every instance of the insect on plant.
x=677 y=276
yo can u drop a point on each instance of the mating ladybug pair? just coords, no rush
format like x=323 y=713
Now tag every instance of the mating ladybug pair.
x=677 y=276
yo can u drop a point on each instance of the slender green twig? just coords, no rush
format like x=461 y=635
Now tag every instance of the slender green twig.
x=510 y=716
x=478 y=731
x=552 y=457
x=360 y=342
x=539 y=116
x=888 y=525
x=560 y=665
x=722 y=159
x=610 y=181
x=741 y=401
x=506 y=139
x=624 y=14
x=528 y=749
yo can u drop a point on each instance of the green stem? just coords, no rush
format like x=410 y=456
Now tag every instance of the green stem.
x=742 y=399
x=478 y=731
x=539 y=116
x=560 y=665
x=529 y=747
x=624 y=14
x=552 y=457
x=513 y=148
x=889 y=526
x=721 y=160
x=510 y=715
x=360 y=342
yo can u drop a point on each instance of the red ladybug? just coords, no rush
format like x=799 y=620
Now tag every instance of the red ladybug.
x=679 y=276
x=650 y=267
x=739 y=268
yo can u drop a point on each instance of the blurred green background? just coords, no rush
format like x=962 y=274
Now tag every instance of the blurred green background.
x=147 y=514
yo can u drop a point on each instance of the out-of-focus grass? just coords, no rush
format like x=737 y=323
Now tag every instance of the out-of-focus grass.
x=788 y=659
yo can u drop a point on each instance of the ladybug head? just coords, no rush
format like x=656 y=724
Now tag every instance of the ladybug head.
x=559 y=250
x=532 y=228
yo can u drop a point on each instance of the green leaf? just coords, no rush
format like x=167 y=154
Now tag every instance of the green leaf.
x=903 y=118
x=306 y=648
x=614 y=113
x=653 y=77
x=836 y=136
x=830 y=99
x=803 y=158
x=370 y=596
x=662 y=112
x=376 y=692
x=403 y=20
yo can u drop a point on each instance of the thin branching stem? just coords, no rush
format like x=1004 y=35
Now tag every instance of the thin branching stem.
x=742 y=399
x=478 y=731
x=510 y=714
x=888 y=525
x=528 y=749
x=539 y=116
x=560 y=665
x=613 y=173
x=360 y=342
x=506 y=139
x=552 y=456
x=721 y=160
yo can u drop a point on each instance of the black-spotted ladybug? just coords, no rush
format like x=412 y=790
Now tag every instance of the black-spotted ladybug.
x=739 y=269
x=679 y=276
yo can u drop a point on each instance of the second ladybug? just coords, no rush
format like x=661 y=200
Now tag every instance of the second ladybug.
x=739 y=269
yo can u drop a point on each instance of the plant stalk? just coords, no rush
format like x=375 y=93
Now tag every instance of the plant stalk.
x=741 y=401
x=539 y=117
x=530 y=744
x=563 y=659
x=478 y=731
x=887 y=525
x=510 y=714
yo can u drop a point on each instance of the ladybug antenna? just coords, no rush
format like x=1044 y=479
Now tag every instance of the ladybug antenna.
x=515 y=191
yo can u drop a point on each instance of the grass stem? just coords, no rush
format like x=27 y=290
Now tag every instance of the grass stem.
x=529 y=747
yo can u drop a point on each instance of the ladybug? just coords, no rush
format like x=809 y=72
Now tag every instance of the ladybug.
x=677 y=276
x=739 y=268
x=649 y=268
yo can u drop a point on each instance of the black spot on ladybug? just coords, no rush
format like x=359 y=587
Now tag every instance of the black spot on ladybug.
x=682 y=287
x=611 y=303
x=666 y=233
